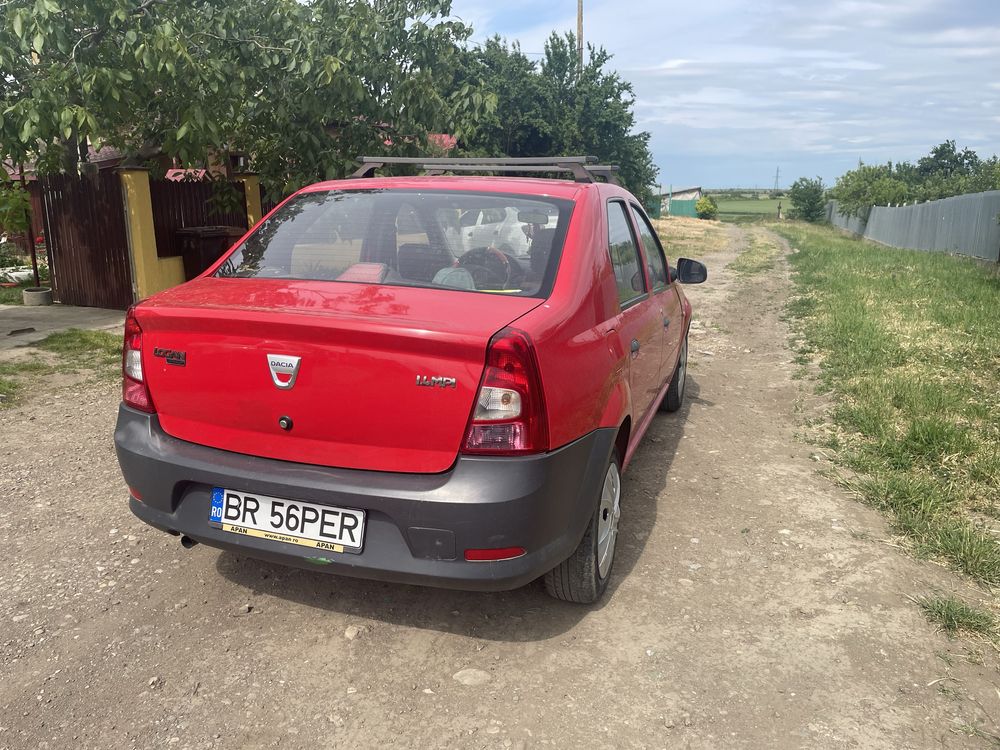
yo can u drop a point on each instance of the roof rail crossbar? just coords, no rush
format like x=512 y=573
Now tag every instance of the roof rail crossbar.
x=583 y=168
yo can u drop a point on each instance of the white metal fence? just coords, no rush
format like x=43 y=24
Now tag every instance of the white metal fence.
x=965 y=224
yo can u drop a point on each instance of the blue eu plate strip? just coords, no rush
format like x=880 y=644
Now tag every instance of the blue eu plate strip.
x=217 y=497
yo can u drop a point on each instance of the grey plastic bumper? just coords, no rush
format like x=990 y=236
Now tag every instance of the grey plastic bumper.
x=418 y=525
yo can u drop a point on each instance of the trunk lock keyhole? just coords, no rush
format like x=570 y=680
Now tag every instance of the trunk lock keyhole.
x=285 y=423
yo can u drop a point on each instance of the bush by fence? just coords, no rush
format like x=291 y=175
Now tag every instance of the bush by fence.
x=966 y=225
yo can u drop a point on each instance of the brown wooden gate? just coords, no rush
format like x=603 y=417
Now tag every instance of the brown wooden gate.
x=87 y=240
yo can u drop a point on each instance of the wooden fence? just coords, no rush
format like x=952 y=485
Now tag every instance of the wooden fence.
x=87 y=240
x=268 y=203
x=177 y=205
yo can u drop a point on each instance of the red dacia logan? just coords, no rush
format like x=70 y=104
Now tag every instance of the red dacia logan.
x=434 y=380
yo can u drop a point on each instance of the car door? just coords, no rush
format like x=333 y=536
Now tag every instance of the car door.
x=641 y=324
x=663 y=293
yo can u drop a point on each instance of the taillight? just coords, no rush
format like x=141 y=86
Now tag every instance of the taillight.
x=134 y=390
x=509 y=414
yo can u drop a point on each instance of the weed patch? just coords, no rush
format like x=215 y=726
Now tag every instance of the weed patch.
x=954 y=616
x=760 y=256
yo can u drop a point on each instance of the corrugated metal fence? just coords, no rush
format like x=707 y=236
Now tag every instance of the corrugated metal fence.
x=681 y=208
x=966 y=225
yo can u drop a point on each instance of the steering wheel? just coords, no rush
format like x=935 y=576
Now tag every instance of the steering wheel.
x=488 y=266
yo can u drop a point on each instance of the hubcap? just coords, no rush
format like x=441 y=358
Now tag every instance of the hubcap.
x=607 y=520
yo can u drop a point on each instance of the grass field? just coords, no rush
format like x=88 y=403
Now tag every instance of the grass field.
x=908 y=345
x=690 y=238
x=745 y=210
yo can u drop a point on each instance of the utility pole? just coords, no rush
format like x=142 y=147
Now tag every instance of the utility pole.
x=777 y=178
x=579 y=33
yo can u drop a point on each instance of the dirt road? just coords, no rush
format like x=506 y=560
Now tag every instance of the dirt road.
x=753 y=604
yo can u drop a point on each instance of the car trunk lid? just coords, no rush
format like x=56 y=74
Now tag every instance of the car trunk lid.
x=385 y=379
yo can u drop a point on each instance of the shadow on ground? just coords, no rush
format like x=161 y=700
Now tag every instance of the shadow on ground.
x=525 y=614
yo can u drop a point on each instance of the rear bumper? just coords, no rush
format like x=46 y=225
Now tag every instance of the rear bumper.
x=418 y=525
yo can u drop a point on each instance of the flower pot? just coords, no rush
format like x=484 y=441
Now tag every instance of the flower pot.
x=37 y=295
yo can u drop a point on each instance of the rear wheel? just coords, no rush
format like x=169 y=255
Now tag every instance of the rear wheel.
x=675 y=393
x=584 y=576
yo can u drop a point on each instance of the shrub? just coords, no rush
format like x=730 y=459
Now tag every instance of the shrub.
x=707 y=208
x=807 y=200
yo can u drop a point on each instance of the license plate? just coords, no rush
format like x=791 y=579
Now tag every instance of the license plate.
x=291 y=521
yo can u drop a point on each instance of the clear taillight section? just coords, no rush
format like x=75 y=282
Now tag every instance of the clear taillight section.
x=134 y=390
x=509 y=416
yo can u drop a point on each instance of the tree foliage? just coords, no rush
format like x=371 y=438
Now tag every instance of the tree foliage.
x=302 y=87
x=706 y=208
x=808 y=200
x=556 y=107
x=944 y=172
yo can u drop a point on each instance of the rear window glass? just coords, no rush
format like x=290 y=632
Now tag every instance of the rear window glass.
x=468 y=241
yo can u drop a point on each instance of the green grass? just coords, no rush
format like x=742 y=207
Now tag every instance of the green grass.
x=88 y=348
x=760 y=255
x=908 y=345
x=97 y=352
x=11 y=295
x=745 y=210
x=954 y=616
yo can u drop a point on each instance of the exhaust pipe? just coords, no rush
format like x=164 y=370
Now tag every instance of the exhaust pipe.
x=187 y=542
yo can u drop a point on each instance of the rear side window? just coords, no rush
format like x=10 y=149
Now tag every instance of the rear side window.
x=624 y=254
x=654 y=251
x=410 y=238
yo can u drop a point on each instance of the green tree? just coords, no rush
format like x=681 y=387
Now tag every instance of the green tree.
x=807 y=197
x=301 y=87
x=555 y=107
x=944 y=172
x=859 y=189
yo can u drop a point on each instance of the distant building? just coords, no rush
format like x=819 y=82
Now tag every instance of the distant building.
x=684 y=194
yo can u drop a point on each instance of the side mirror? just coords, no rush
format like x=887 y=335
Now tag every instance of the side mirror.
x=691 y=271
x=672 y=272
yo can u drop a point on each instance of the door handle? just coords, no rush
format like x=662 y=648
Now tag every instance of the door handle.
x=635 y=346
x=666 y=322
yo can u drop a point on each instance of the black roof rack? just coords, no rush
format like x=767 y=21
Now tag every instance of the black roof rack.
x=583 y=168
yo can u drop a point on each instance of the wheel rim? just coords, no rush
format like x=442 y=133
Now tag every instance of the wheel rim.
x=607 y=519
x=682 y=369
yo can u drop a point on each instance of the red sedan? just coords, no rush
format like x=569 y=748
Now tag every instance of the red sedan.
x=363 y=387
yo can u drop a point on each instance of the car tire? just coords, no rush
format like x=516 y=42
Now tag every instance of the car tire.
x=583 y=578
x=675 y=393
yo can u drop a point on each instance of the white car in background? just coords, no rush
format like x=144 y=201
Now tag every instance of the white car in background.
x=497 y=227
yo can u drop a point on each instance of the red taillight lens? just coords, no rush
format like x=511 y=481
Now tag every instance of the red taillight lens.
x=509 y=417
x=134 y=390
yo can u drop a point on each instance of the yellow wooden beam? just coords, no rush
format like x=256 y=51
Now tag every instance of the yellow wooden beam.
x=251 y=188
x=150 y=273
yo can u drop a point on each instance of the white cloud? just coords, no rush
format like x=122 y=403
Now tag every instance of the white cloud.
x=732 y=83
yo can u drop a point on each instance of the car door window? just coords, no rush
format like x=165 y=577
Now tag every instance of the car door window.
x=624 y=255
x=657 y=262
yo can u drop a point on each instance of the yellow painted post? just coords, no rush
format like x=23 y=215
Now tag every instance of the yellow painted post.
x=251 y=188
x=150 y=273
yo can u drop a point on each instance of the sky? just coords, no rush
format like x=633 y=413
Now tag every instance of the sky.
x=733 y=90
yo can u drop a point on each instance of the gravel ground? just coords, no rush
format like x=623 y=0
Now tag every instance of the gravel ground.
x=753 y=604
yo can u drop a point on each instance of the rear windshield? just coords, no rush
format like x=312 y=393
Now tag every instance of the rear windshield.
x=469 y=241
